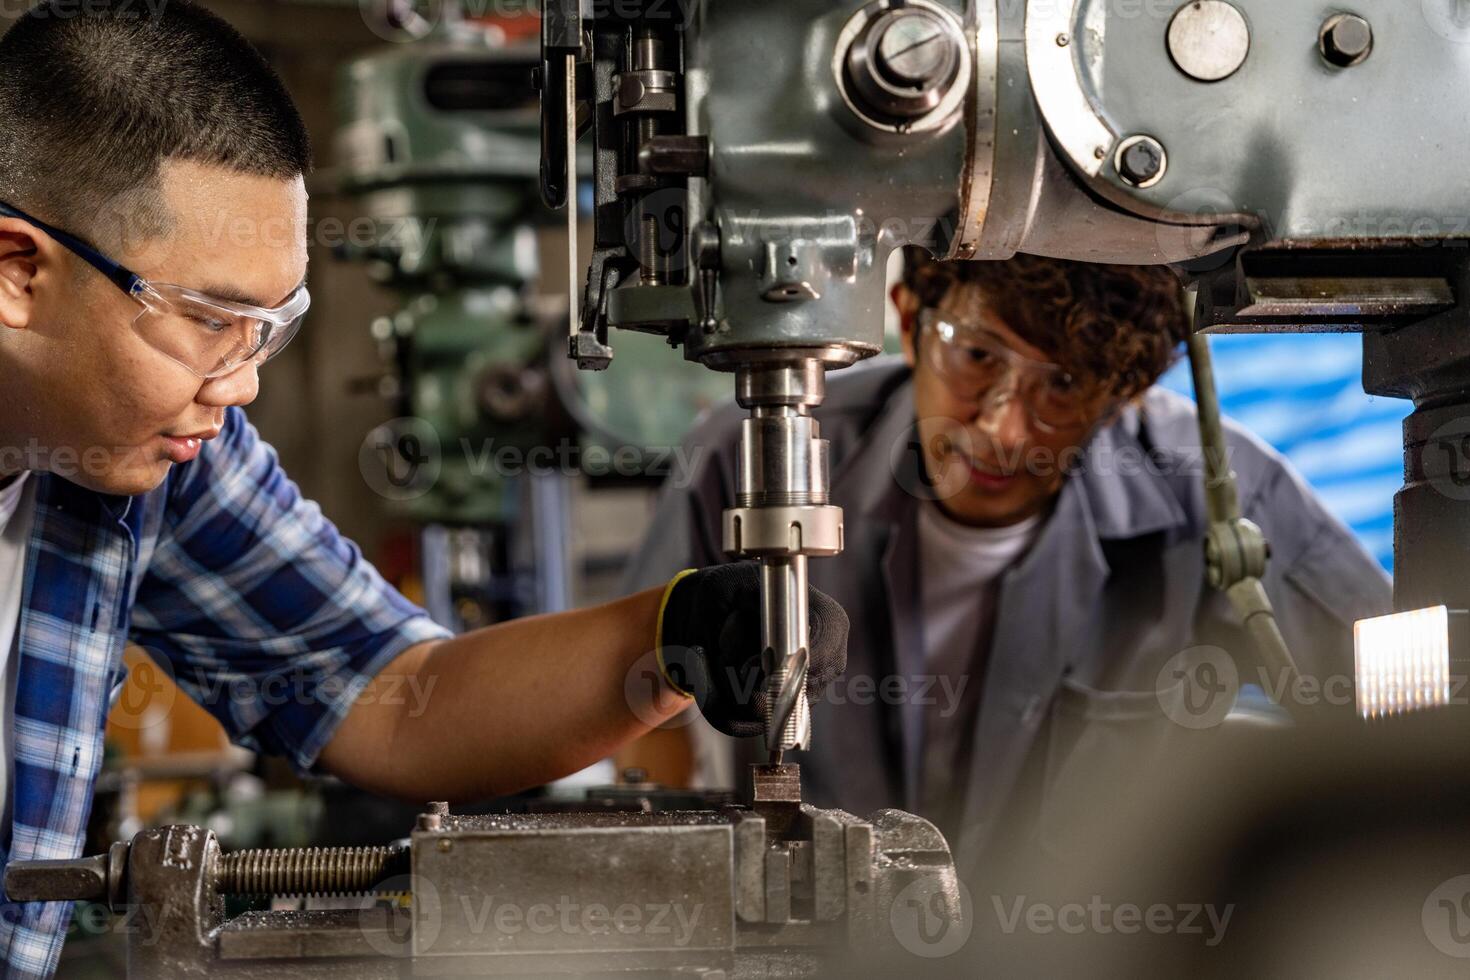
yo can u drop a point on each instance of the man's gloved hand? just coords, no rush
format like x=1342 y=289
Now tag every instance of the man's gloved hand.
x=709 y=644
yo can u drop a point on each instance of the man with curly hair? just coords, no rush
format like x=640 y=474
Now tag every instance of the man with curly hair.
x=1024 y=566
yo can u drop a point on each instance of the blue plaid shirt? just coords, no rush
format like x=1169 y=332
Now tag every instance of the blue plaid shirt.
x=234 y=584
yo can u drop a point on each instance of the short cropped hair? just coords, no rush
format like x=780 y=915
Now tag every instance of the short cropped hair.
x=96 y=94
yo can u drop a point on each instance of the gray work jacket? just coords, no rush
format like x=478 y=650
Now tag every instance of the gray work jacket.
x=1112 y=590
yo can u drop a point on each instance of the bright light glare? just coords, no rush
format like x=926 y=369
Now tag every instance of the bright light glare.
x=1402 y=661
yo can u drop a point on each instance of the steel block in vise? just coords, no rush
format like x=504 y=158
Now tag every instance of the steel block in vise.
x=776 y=885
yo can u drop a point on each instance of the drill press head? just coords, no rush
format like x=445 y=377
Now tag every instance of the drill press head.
x=757 y=162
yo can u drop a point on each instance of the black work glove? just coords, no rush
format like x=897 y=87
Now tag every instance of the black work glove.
x=710 y=644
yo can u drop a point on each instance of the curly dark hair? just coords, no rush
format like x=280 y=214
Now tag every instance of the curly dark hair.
x=1115 y=328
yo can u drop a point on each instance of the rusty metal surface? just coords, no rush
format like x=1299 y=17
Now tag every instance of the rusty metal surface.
x=576 y=890
x=551 y=823
x=540 y=894
x=312 y=934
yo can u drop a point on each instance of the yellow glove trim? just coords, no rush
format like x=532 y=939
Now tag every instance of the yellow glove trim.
x=658 y=631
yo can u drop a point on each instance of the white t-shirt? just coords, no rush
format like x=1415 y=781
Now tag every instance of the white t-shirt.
x=959 y=571
x=17 y=505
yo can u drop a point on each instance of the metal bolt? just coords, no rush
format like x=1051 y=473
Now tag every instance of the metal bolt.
x=1063 y=40
x=307 y=871
x=1345 y=40
x=913 y=50
x=1141 y=161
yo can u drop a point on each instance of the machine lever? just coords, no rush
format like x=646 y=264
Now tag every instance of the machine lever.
x=1236 y=550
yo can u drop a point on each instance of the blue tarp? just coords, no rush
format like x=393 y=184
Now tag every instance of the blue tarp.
x=1303 y=393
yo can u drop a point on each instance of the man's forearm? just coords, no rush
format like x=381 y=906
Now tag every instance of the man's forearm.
x=507 y=707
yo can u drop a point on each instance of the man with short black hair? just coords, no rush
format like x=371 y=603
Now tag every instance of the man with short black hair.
x=1024 y=521
x=152 y=257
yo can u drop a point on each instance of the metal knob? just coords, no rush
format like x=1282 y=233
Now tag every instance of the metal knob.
x=904 y=63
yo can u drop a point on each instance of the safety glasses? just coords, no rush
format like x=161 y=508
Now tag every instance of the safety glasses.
x=980 y=368
x=209 y=336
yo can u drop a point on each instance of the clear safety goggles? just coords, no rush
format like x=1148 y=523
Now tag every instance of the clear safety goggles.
x=212 y=336
x=209 y=336
x=980 y=368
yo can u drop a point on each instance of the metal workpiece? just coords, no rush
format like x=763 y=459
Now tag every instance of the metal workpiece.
x=676 y=866
x=828 y=872
x=779 y=888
